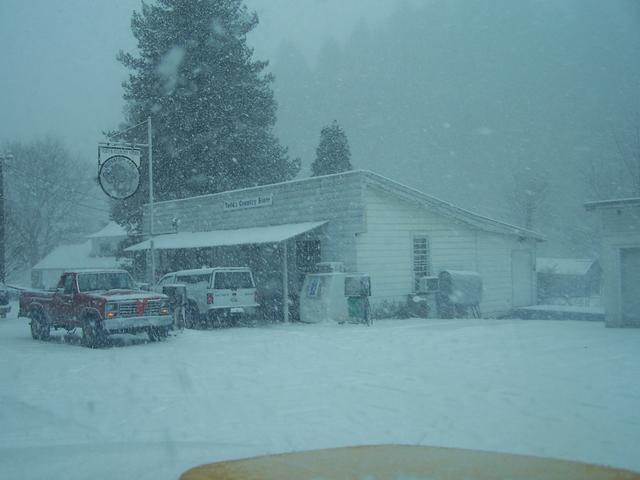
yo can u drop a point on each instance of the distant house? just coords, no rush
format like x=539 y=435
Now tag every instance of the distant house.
x=97 y=252
x=620 y=220
x=572 y=281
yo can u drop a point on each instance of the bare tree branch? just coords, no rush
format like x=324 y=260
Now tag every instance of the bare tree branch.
x=43 y=185
x=526 y=196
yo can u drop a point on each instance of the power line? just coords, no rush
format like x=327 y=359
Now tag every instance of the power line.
x=48 y=182
x=90 y=207
x=43 y=179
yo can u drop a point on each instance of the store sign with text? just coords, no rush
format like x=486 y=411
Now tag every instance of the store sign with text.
x=253 y=202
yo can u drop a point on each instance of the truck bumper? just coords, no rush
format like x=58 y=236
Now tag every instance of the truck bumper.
x=236 y=310
x=136 y=323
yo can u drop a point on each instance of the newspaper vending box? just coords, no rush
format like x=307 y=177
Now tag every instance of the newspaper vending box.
x=335 y=297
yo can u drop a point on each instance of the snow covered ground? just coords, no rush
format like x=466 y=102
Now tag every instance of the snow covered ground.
x=150 y=411
x=595 y=310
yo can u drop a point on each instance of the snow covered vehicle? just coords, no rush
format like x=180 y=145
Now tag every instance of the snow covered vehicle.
x=4 y=301
x=219 y=296
x=100 y=302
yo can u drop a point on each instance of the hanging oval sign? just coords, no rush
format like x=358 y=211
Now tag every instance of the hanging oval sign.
x=119 y=177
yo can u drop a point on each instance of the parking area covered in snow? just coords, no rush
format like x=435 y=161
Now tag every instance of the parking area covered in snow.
x=152 y=410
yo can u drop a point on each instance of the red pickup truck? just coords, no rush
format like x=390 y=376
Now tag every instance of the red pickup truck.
x=100 y=302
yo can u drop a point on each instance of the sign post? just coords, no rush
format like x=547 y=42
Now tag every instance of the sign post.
x=151 y=249
x=119 y=175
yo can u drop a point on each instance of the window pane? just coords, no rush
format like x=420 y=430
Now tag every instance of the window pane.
x=191 y=279
x=421 y=259
x=232 y=280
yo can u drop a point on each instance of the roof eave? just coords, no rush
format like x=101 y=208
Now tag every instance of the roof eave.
x=447 y=209
x=613 y=203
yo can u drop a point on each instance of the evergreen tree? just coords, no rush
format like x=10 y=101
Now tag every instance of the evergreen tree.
x=333 y=154
x=211 y=104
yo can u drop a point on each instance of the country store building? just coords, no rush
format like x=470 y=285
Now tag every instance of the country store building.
x=370 y=223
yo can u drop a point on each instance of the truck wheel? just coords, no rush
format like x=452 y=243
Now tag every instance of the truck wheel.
x=40 y=329
x=93 y=335
x=151 y=333
x=157 y=334
x=35 y=329
x=192 y=316
x=215 y=319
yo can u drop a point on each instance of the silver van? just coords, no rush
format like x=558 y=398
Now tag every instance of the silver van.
x=220 y=296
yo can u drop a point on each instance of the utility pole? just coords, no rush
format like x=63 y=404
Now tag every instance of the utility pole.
x=151 y=219
x=3 y=157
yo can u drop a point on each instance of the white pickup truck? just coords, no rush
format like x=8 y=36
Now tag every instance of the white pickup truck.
x=220 y=296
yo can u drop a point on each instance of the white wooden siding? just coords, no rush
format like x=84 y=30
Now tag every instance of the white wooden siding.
x=620 y=222
x=385 y=250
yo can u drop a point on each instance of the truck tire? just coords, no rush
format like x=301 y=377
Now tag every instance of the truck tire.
x=40 y=329
x=216 y=319
x=192 y=315
x=93 y=335
x=157 y=334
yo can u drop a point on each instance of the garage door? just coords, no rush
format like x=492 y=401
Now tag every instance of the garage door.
x=522 y=278
x=630 y=285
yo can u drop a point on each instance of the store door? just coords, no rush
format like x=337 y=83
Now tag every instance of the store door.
x=630 y=285
x=521 y=278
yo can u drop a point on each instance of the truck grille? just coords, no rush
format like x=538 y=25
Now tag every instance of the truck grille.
x=131 y=309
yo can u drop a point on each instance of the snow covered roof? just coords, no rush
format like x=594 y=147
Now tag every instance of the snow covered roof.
x=72 y=257
x=615 y=203
x=564 y=266
x=404 y=192
x=448 y=209
x=218 y=238
x=112 y=229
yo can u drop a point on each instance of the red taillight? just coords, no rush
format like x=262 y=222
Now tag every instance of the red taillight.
x=209 y=298
x=255 y=296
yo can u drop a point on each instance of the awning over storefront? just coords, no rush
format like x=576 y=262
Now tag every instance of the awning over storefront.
x=220 y=238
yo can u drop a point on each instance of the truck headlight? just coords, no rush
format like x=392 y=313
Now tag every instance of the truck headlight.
x=164 y=309
x=111 y=310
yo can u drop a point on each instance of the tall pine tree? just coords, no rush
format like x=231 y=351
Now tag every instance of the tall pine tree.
x=211 y=104
x=333 y=154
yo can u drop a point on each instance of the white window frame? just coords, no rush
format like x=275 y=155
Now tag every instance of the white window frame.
x=423 y=270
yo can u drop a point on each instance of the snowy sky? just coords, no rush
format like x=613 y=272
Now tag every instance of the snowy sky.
x=59 y=73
